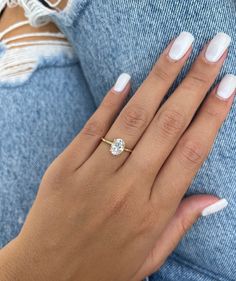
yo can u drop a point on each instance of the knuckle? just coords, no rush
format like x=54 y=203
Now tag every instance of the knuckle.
x=201 y=75
x=134 y=118
x=214 y=112
x=160 y=73
x=192 y=153
x=92 y=128
x=171 y=122
x=196 y=79
x=108 y=102
x=214 y=109
x=55 y=175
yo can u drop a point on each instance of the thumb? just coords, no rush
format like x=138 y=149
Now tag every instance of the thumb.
x=189 y=210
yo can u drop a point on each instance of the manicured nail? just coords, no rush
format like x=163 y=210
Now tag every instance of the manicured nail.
x=226 y=87
x=181 y=45
x=121 y=82
x=214 y=208
x=217 y=46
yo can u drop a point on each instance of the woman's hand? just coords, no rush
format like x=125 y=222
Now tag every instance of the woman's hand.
x=103 y=217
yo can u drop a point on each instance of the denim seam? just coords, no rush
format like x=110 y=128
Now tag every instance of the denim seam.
x=71 y=10
x=195 y=267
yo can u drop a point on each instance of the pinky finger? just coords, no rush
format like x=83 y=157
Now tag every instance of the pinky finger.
x=188 y=212
x=194 y=146
x=84 y=144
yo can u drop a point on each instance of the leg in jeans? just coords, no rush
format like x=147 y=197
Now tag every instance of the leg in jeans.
x=110 y=37
x=127 y=36
x=44 y=102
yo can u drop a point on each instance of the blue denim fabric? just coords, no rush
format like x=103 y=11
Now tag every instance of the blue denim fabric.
x=38 y=119
x=110 y=37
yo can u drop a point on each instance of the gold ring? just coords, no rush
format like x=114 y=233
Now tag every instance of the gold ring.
x=117 y=146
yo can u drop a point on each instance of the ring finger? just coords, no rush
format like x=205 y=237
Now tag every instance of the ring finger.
x=140 y=110
x=177 y=112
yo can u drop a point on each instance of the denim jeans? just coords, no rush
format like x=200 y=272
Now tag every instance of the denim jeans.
x=40 y=115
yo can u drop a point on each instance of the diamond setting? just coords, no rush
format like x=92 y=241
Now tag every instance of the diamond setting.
x=117 y=147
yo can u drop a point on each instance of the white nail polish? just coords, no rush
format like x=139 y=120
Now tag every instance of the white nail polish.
x=214 y=208
x=226 y=87
x=121 y=82
x=217 y=46
x=181 y=45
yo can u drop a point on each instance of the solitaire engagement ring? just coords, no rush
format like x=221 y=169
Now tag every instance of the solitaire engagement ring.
x=117 y=146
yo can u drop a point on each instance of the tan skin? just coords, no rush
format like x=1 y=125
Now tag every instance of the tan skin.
x=100 y=217
x=13 y=15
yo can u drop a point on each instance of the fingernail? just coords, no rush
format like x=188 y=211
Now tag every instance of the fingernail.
x=181 y=45
x=214 y=208
x=217 y=46
x=226 y=87
x=121 y=82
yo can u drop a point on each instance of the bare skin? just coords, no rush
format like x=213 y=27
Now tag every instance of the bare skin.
x=100 y=217
x=13 y=15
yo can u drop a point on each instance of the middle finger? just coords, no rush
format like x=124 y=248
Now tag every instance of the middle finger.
x=177 y=112
x=141 y=108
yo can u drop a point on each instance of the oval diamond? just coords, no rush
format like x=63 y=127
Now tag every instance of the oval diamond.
x=117 y=146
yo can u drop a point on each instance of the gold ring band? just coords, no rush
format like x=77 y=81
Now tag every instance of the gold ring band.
x=117 y=146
